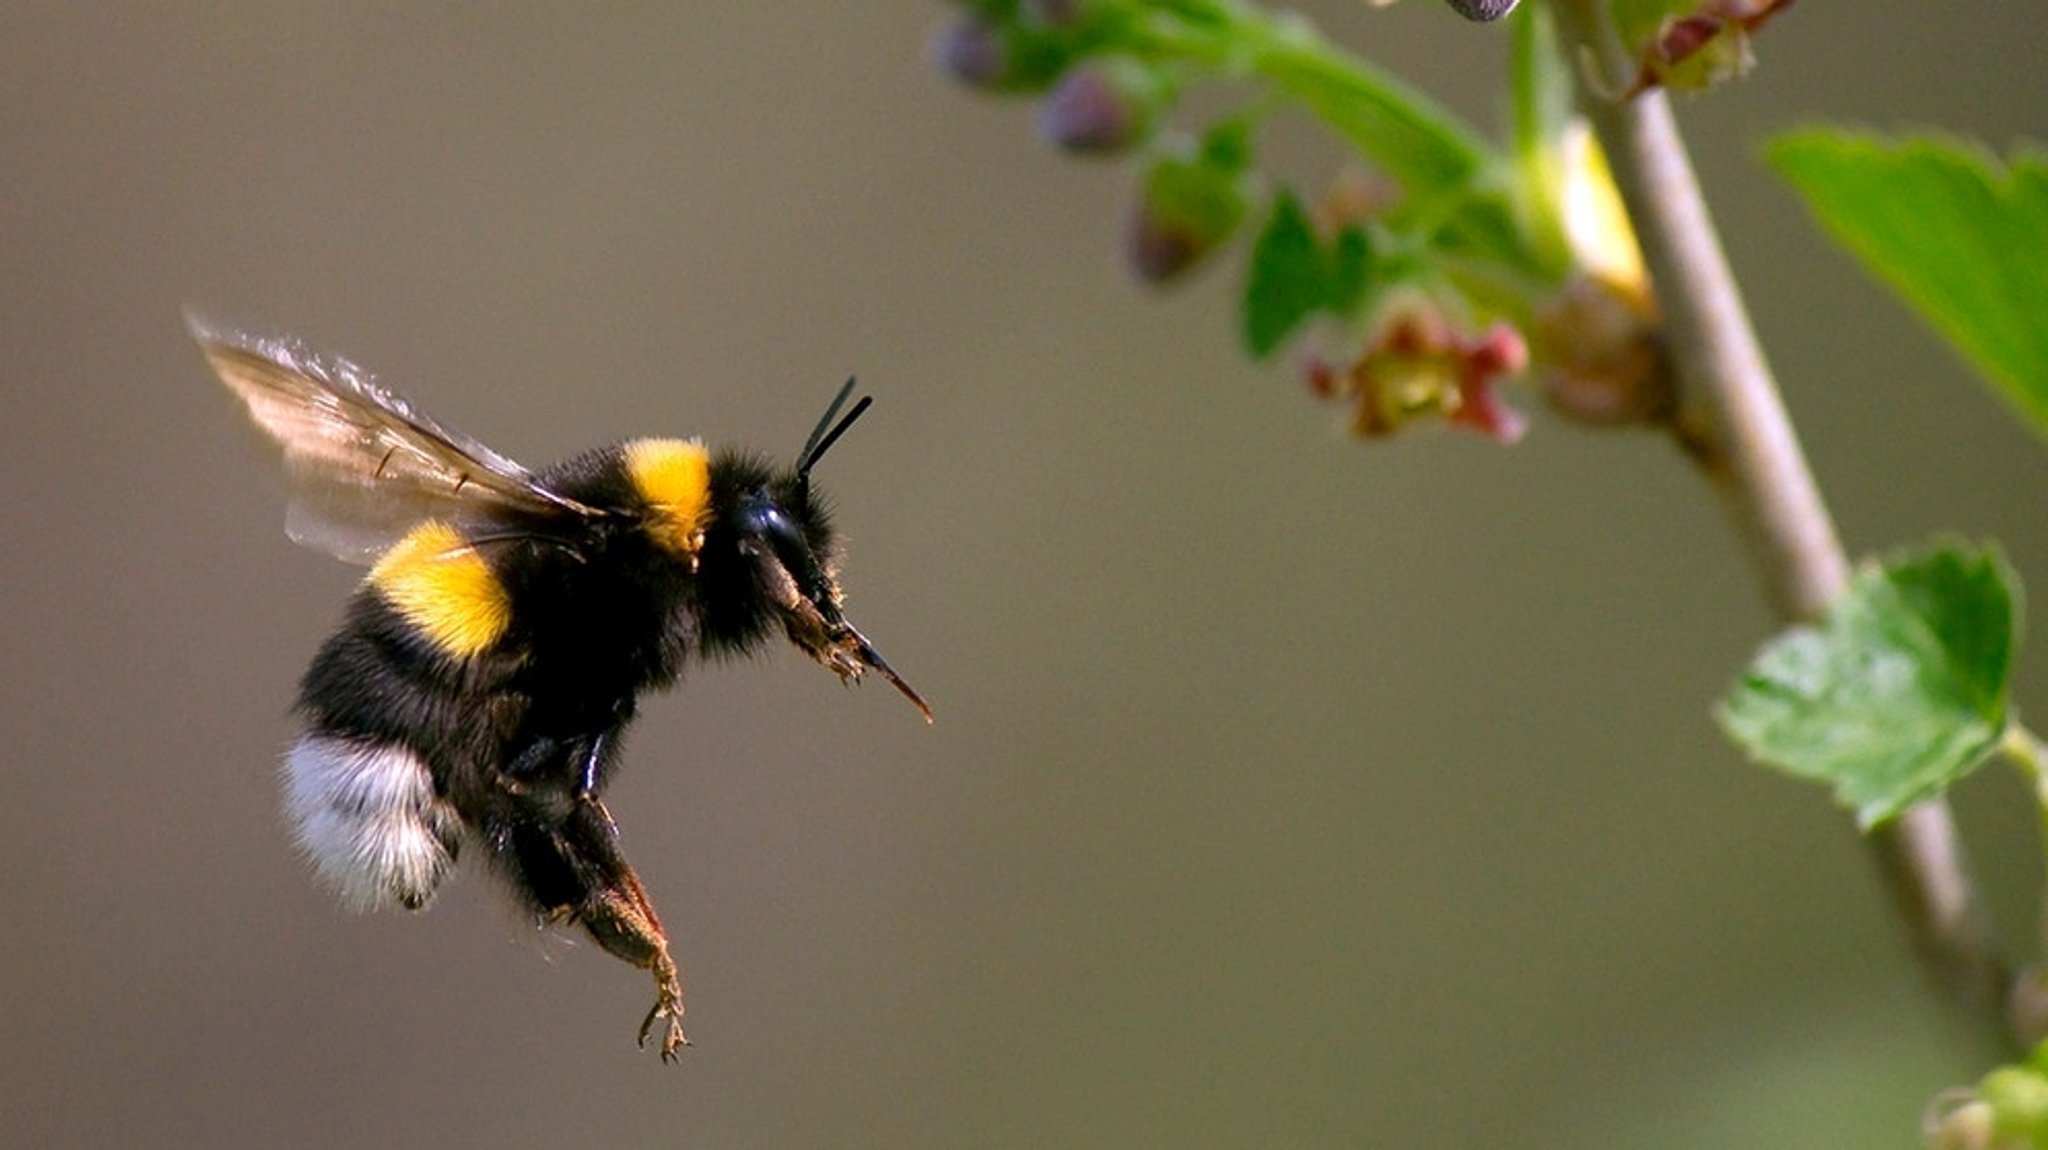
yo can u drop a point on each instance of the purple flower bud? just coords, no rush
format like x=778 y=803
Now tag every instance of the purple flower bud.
x=972 y=50
x=1101 y=107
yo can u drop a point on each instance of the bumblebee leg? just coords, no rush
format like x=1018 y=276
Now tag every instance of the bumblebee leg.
x=593 y=758
x=540 y=753
x=598 y=746
x=616 y=912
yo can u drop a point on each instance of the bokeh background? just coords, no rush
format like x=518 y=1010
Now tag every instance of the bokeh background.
x=1286 y=791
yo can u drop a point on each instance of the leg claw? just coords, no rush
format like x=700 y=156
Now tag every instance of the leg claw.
x=672 y=1039
x=668 y=1004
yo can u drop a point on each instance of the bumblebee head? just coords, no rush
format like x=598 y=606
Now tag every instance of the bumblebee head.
x=768 y=555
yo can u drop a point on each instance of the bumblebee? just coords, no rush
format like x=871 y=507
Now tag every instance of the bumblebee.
x=475 y=694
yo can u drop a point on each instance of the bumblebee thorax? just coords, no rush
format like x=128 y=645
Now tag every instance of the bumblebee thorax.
x=672 y=477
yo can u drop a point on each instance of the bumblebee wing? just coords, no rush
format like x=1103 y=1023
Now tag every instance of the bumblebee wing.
x=364 y=466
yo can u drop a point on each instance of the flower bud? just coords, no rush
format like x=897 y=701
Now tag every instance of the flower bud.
x=1962 y=1123
x=1102 y=106
x=972 y=51
x=1189 y=203
x=2018 y=1098
x=1000 y=54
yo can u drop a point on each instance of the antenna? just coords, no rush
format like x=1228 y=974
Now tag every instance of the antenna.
x=822 y=440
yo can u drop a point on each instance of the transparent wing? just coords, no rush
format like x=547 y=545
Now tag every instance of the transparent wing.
x=364 y=466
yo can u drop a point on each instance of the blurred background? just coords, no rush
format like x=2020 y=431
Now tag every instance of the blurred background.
x=1285 y=791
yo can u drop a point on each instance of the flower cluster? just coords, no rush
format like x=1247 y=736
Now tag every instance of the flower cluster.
x=1415 y=365
x=1702 y=47
x=1451 y=266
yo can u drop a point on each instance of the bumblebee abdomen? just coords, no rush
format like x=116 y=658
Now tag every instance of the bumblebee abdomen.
x=366 y=813
x=400 y=731
x=443 y=587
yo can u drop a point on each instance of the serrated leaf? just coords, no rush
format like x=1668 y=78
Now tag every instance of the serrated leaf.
x=1295 y=275
x=1960 y=236
x=1898 y=693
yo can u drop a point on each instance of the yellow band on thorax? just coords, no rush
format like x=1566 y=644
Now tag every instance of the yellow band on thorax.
x=674 y=477
x=441 y=585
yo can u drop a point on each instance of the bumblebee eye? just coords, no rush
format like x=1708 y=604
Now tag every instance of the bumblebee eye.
x=761 y=519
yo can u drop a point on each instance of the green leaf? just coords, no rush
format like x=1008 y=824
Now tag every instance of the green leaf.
x=1350 y=263
x=1286 y=281
x=1294 y=275
x=1898 y=693
x=1962 y=237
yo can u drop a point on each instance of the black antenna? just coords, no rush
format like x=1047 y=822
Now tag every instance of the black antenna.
x=804 y=457
x=822 y=440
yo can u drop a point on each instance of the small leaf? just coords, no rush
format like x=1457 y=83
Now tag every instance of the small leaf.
x=1899 y=693
x=1960 y=236
x=1350 y=260
x=1293 y=275
x=1286 y=280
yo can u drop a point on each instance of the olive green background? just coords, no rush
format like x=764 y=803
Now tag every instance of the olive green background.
x=1286 y=791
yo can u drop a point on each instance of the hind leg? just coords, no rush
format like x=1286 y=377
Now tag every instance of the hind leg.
x=574 y=869
x=623 y=921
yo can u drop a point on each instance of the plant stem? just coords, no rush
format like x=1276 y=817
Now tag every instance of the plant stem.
x=1732 y=419
x=1405 y=132
x=2023 y=749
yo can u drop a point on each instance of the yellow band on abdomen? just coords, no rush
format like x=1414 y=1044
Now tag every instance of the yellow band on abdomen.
x=441 y=585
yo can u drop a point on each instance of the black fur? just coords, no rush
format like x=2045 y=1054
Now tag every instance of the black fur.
x=519 y=737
